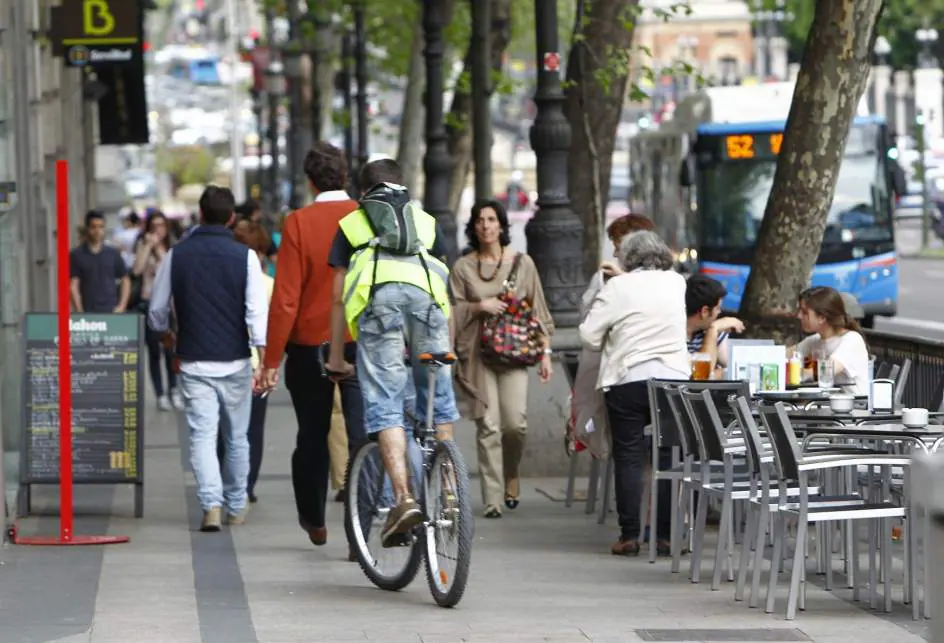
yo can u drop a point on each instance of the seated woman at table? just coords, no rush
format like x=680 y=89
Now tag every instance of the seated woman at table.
x=836 y=335
x=638 y=321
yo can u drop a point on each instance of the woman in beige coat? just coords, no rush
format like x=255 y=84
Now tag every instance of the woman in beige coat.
x=498 y=394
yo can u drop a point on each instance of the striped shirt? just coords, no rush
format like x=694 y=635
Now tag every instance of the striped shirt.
x=698 y=340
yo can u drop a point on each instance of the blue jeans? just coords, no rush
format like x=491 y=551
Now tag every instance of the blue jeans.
x=208 y=400
x=399 y=315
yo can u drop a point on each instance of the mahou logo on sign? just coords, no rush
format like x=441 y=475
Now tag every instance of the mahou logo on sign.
x=85 y=326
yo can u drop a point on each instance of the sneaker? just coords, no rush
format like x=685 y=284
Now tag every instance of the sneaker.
x=163 y=403
x=237 y=517
x=211 y=520
x=401 y=520
x=176 y=399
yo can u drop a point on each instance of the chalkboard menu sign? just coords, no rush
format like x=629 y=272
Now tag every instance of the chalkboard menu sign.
x=107 y=400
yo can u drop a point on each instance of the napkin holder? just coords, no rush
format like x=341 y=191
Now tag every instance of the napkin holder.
x=882 y=396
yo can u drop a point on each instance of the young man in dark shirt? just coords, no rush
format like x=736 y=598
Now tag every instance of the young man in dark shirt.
x=100 y=282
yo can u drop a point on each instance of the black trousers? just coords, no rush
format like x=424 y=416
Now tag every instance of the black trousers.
x=156 y=355
x=256 y=440
x=627 y=407
x=313 y=399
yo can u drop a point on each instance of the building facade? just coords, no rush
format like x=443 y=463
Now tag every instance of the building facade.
x=44 y=117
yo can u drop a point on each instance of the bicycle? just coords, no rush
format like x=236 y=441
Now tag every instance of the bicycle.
x=443 y=496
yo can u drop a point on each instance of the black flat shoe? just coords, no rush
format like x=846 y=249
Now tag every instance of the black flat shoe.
x=511 y=502
x=493 y=512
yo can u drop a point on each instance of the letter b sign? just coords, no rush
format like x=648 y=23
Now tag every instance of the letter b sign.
x=97 y=19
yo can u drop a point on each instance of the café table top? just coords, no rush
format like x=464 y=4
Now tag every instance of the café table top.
x=850 y=417
x=803 y=394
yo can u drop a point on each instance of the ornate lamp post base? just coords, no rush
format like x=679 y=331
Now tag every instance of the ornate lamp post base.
x=555 y=234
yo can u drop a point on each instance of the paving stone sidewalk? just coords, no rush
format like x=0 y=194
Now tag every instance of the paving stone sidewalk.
x=542 y=573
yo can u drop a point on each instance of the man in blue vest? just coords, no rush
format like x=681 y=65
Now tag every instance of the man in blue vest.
x=221 y=306
x=390 y=300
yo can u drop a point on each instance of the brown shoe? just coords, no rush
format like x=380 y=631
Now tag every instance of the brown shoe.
x=625 y=548
x=400 y=520
x=318 y=536
x=212 y=520
x=351 y=555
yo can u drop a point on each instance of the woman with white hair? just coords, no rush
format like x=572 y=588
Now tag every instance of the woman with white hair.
x=638 y=321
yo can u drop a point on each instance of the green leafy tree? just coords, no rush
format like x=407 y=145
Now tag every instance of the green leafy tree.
x=899 y=22
x=186 y=165
x=596 y=90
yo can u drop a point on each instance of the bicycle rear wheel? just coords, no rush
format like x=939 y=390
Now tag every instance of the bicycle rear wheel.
x=369 y=497
x=450 y=529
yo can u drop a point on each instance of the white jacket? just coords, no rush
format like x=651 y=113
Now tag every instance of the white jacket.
x=635 y=318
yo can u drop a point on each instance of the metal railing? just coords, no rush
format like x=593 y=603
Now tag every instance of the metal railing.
x=925 y=385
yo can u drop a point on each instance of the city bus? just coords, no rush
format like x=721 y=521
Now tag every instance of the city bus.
x=705 y=177
x=202 y=70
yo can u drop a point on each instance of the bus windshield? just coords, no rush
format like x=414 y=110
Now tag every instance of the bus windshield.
x=732 y=197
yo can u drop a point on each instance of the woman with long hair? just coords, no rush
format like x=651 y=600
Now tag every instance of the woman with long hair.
x=152 y=247
x=498 y=394
x=836 y=336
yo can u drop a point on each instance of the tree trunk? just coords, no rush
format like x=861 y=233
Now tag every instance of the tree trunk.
x=596 y=90
x=833 y=75
x=459 y=128
x=410 y=148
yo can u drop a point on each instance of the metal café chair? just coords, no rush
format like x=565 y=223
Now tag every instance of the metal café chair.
x=763 y=496
x=690 y=455
x=793 y=466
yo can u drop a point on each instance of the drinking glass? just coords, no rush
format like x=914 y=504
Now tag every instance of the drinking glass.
x=701 y=366
x=825 y=373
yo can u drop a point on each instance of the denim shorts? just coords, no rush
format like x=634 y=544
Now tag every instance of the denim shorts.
x=401 y=315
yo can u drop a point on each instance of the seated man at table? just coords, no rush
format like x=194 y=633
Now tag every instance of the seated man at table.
x=707 y=330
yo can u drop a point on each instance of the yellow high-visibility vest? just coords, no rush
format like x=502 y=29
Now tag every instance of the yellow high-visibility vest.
x=362 y=277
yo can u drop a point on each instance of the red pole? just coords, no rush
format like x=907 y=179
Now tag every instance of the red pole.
x=65 y=354
x=66 y=534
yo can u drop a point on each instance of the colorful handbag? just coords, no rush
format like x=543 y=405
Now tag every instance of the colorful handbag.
x=512 y=338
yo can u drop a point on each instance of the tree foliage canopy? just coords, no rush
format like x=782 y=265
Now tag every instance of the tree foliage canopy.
x=899 y=22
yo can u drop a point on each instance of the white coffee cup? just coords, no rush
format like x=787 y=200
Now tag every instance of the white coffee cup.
x=840 y=403
x=914 y=417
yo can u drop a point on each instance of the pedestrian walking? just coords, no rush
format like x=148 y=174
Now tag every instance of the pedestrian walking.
x=300 y=322
x=218 y=295
x=99 y=279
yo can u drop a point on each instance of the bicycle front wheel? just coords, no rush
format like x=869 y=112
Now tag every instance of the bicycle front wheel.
x=369 y=498
x=450 y=529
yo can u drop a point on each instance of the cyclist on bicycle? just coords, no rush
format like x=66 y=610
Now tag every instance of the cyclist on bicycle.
x=391 y=290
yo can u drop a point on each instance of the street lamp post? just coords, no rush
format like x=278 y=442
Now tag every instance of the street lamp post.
x=292 y=62
x=881 y=76
x=920 y=147
x=275 y=88
x=436 y=162
x=555 y=233
x=258 y=105
x=238 y=180
x=360 y=72
x=481 y=93
x=317 y=56
x=768 y=36
x=927 y=37
x=344 y=81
